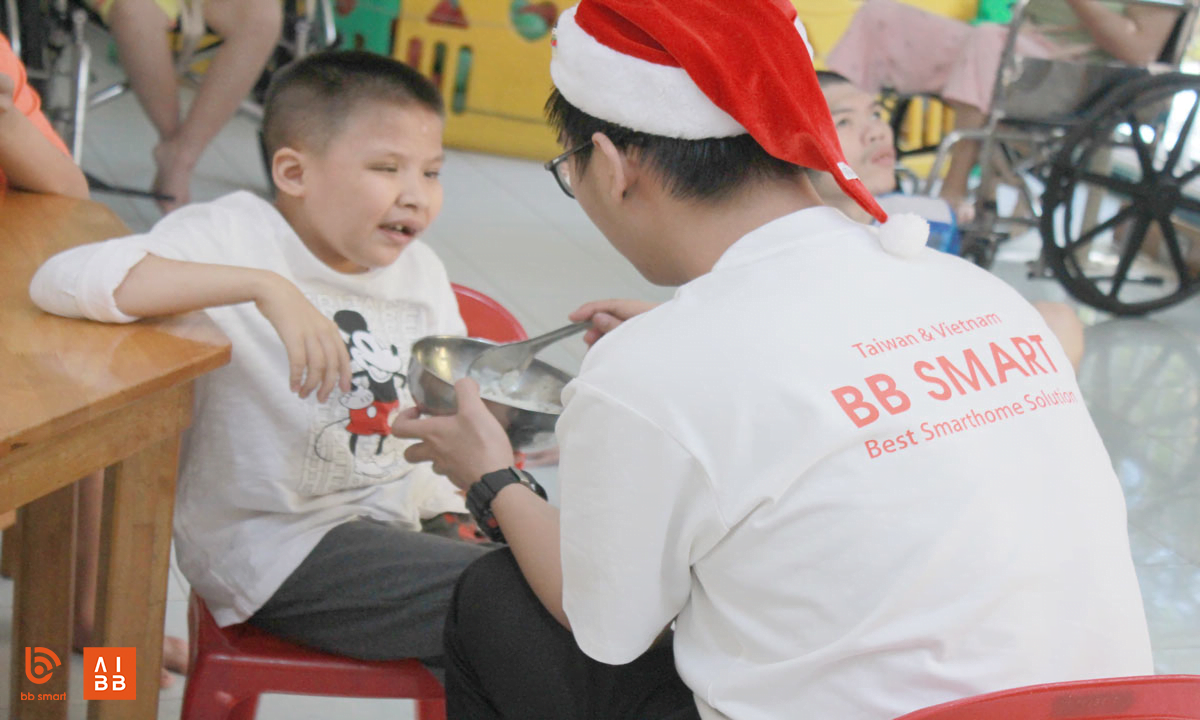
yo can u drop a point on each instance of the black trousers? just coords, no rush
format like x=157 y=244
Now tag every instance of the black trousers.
x=507 y=657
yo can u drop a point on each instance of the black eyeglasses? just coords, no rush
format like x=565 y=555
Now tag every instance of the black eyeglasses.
x=562 y=171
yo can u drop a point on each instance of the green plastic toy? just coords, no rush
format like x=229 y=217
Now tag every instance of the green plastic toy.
x=994 y=11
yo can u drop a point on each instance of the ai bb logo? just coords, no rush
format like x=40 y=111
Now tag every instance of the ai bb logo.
x=109 y=673
x=40 y=663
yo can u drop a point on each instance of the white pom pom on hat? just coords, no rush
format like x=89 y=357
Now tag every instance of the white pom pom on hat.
x=903 y=235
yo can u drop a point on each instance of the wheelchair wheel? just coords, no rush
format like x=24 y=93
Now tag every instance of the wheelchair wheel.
x=1120 y=217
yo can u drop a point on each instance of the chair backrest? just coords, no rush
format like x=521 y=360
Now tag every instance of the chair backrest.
x=485 y=318
x=1152 y=697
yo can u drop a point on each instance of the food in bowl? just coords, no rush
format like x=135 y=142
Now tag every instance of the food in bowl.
x=527 y=408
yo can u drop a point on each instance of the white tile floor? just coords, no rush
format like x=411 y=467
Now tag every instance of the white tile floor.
x=507 y=230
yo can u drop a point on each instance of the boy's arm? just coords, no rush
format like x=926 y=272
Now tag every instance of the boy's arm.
x=79 y=283
x=317 y=357
x=29 y=159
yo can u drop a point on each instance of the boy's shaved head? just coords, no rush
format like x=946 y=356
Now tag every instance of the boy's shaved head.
x=309 y=99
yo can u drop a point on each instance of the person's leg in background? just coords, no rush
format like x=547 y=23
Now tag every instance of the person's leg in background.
x=507 y=657
x=139 y=28
x=249 y=30
x=963 y=157
x=969 y=90
x=87 y=561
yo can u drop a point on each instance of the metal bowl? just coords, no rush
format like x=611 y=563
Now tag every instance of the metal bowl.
x=438 y=361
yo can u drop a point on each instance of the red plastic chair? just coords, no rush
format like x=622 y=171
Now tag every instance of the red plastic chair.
x=1151 y=697
x=486 y=318
x=232 y=666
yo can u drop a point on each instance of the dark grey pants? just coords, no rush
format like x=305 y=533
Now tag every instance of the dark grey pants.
x=373 y=591
x=507 y=658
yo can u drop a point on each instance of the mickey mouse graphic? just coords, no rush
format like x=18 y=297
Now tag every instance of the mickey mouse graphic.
x=375 y=367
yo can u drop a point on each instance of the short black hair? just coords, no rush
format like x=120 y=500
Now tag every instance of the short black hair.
x=825 y=78
x=708 y=169
x=309 y=99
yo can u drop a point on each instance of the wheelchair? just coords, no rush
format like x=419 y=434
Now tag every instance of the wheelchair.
x=1104 y=159
x=50 y=37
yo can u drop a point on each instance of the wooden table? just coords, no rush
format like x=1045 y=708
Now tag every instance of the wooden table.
x=77 y=396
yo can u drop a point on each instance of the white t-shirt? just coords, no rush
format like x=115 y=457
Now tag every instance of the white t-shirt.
x=791 y=459
x=264 y=475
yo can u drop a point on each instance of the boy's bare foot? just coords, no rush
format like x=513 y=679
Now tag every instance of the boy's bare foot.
x=175 y=654
x=174 y=176
x=175 y=660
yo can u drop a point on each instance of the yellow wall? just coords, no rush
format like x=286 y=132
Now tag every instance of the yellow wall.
x=508 y=83
x=509 y=76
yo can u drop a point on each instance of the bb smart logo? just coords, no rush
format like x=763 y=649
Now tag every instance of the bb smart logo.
x=40 y=663
x=109 y=673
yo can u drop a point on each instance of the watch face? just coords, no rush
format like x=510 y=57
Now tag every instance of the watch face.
x=532 y=484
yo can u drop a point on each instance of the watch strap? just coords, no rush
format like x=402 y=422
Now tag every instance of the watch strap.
x=481 y=494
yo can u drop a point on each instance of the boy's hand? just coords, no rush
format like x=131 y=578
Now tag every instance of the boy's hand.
x=606 y=315
x=464 y=446
x=317 y=357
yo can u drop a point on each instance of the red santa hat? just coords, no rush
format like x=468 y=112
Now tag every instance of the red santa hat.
x=694 y=69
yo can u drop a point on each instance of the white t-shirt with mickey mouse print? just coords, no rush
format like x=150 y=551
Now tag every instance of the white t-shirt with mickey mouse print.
x=860 y=485
x=264 y=474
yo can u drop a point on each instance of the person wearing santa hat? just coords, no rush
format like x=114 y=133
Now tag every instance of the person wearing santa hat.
x=838 y=475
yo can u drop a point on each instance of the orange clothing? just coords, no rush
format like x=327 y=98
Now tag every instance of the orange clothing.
x=25 y=98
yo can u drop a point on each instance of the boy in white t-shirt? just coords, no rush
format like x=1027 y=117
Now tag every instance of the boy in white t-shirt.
x=296 y=509
x=855 y=473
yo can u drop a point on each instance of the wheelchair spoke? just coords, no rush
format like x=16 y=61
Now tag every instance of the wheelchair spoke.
x=1120 y=216
x=1188 y=176
x=1143 y=150
x=1181 y=139
x=1134 y=245
x=1129 y=189
x=1189 y=204
x=1171 y=238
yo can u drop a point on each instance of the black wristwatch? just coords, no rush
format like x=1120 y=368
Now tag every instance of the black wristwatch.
x=481 y=494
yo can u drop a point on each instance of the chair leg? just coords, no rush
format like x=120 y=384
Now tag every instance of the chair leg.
x=431 y=710
x=9 y=545
x=205 y=706
x=246 y=709
x=83 y=65
x=203 y=701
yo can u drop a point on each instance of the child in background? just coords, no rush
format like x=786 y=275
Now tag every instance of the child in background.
x=866 y=139
x=896 y=45
x=296 y=509
x=32 y=156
